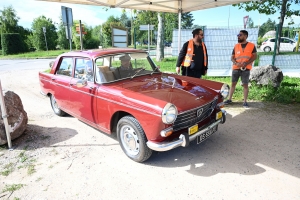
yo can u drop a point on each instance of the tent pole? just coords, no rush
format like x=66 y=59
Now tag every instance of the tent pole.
x=4 y=117
x=179 y=31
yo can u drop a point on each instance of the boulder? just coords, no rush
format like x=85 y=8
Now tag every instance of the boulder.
x=265 y=75
x=17 y=117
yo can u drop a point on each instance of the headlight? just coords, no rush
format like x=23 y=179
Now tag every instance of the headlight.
x=169 y=113
x=225 y=90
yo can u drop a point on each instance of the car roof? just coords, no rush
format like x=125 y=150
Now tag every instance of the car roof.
x=94 y=53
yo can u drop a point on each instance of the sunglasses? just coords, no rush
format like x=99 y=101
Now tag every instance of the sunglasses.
x=200 y=34
x=239 y=35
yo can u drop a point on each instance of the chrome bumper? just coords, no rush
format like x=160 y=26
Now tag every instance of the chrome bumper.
x=43 y=93
x=184 y=139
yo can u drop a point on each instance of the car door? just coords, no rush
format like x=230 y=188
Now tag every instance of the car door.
x=82 y=97
x=61 y=80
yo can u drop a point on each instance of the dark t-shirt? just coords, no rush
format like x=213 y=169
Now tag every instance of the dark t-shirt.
x=198 y=58
x=244 y=46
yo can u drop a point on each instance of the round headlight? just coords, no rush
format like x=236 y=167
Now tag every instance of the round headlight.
x=225 y=90
x=169 y=113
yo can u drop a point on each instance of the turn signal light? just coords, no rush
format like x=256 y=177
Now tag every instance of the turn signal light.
x=166 y=132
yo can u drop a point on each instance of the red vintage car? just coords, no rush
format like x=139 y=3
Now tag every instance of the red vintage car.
x=123 y=92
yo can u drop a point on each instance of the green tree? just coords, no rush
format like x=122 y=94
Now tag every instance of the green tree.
x=187 y=20
x=271 y=7
x=8 y=20
x=269 y=25
x=62 y=41
x=250 y=23
x=38 y=39
x=107 y=31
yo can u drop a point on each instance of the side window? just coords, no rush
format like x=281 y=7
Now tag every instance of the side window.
x=272 y=40
x=84 y=69
x=65 y=67
x=104 y=70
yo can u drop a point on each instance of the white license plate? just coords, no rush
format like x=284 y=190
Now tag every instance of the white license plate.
x=206 y=135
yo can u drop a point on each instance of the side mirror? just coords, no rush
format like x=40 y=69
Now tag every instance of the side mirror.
x=81 y=83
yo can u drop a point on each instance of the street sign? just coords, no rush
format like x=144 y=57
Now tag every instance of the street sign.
x=145 y=27
x=44 y=29
x=67 y=16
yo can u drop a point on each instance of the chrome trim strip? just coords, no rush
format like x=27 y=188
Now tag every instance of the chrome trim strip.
x=165 y=146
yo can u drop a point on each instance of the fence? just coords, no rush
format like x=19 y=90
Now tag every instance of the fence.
x=220 y=43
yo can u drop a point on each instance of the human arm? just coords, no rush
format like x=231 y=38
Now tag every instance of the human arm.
x=181 y=57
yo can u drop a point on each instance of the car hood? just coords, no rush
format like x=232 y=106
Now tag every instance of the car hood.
x=169 y=89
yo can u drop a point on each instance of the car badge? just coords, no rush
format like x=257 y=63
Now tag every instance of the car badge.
x=199 y=112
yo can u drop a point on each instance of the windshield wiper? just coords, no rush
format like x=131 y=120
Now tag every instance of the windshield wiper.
x=156 y=68
x=138 y=71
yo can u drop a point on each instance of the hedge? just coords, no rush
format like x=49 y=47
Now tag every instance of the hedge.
x=11 y=43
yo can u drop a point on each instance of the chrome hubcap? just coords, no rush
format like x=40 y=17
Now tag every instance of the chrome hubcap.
x=130 y=140
x=55 y=106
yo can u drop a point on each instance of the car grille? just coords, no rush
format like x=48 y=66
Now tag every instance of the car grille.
x=192 y=117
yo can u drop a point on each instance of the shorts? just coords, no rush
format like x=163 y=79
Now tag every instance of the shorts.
x=236 y=74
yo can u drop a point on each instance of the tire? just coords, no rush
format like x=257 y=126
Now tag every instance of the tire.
x=55 y=107
x=267 y=49
x=294 y=50
x=132 y=139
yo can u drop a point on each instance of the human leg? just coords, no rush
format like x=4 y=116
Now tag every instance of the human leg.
x=234 y=79
x=245 y=80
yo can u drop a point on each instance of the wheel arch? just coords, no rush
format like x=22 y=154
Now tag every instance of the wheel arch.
x=115 y=119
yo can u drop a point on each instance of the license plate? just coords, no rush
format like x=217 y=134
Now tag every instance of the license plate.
x=206 y=135
x=193 y=129
x=219 y=115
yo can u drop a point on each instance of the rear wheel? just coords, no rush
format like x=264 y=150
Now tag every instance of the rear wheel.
x=55 y=107
x=267 y=49
x=132 y=139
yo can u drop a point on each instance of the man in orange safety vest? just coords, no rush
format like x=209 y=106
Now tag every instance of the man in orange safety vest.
x=193 y=59
x=243 y=55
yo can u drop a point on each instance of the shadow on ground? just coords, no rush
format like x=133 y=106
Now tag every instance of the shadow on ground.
x=264 y=135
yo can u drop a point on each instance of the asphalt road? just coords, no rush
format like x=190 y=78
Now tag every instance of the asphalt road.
x=254 y=155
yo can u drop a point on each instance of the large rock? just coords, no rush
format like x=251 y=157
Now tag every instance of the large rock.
x=17 y=117
x=266 y=74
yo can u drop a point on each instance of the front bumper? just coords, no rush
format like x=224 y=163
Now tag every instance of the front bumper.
x=184 y=139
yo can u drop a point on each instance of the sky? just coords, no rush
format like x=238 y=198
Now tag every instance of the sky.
x=28 y=10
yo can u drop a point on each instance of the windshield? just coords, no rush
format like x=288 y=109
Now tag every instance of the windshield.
x=117 y=67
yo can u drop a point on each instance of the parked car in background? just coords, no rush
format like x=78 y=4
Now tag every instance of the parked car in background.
x=296 y=37
x=167 y=44
x=286 y=44
x=122 y=92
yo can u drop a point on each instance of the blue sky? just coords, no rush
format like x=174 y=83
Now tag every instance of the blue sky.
x=28 y=10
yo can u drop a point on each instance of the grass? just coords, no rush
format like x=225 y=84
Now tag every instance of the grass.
x=8 y=169
x=35 y=54
x=12 y=187
x=287 y=93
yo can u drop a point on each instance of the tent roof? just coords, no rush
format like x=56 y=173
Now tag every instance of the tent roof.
x=173 y=6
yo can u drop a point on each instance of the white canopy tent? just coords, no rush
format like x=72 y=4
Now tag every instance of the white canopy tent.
x=171 y=6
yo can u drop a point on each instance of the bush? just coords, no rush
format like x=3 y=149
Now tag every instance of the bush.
x=12 y=43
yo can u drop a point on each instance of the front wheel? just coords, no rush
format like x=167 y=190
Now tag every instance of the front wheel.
x=55 y=107
x=132 y=139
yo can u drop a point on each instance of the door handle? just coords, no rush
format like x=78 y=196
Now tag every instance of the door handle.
x=53 y=78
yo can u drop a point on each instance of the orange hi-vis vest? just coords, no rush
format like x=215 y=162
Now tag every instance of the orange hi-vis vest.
x=243 y=55
x=189 y=54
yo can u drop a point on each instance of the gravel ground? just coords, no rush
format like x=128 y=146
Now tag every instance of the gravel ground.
x=254 y=155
